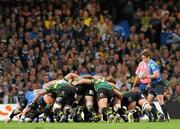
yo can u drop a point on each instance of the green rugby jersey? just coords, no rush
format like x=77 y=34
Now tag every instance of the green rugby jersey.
x=125 y=92
x=101 y=84
x=57 y=85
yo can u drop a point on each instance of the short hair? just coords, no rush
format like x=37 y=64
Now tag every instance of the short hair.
x=111 y=79
x=146 y=53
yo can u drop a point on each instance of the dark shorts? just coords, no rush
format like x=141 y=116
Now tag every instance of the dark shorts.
x=66 y=95
x=23 y=102
x=143 y=89
x=157 y=88
x=105 y=93
x=85 y=90
x=52 y=94
x=41 y=101
x=131 y=97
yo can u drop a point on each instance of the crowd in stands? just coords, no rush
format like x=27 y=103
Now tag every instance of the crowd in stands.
x=42 y=40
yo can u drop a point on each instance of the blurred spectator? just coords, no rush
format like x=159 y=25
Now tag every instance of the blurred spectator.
x=122 y=80
x=11 y=95
x=173 y=83
x=177 y=92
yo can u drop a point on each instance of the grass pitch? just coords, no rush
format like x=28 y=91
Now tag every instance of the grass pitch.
x=173 y=124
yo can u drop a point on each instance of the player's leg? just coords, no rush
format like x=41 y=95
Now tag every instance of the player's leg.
x=57 y=107
x=116 y=108
x=104 y=96
x=150 y=100
x=80 y=93
x=22 y=104
x=160 y=99
x=24 y=113
x=15 y=112
x=89 y=98
x=47 y=102
x=132 y=106
x=69 y=98
x=131 y=110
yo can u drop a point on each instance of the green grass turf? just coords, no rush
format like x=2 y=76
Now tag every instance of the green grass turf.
x=173 y=124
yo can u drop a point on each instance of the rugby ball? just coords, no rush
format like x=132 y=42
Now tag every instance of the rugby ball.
x=141 y=74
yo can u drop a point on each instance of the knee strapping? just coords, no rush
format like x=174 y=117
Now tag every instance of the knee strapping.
x=67 y=110
x=146 y=107
x=17 y=111
x=116 y=107
x=56 y=107
x=20 y=108
x=89 y=103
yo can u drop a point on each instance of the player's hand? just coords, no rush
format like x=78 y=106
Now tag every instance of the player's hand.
x=145 y=75
x=74 y=83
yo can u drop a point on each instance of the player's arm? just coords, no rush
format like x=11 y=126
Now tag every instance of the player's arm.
x=135 y=86
x=70 y=76
x=155 y=72
x=82 y=81
x=41 y=92
x=112 y=84
x=136 y=80
x=87 y=76
x=110 y=79
x=97 y=77
x=118 y=93
x=34 y=103
x=154 y=75
x=46 y=85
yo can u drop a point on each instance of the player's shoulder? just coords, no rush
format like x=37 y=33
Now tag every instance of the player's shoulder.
x=142 y=63
x=152 y=61
x=153 y=64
